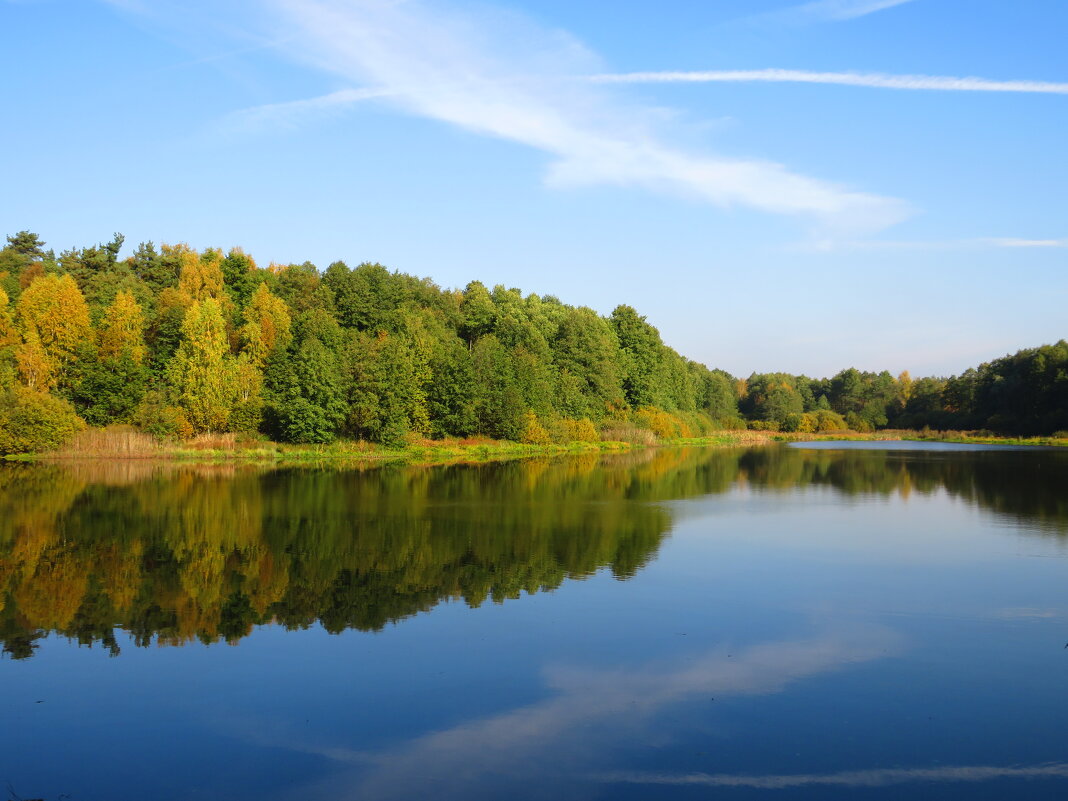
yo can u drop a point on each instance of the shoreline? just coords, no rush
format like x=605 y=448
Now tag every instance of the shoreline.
x=474 y=451
x=429 y=452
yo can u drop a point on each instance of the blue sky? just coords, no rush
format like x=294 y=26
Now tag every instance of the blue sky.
x=776 y=186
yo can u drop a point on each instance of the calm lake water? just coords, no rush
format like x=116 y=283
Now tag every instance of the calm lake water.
x=782 y=623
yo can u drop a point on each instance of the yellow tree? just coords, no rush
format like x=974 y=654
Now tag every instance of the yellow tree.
x=8 y=335
x=201 y=371
x=53 y=310
x=267 y=325
x=122 y=331
x=36 y=370
x=200 y=277
x=905 y=386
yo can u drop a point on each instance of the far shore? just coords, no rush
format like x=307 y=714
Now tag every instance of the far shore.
x=107 y=444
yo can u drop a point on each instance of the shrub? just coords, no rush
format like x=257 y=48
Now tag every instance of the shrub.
x=662 y=424
x=566 y=430
x=728 y=424
x=534 y=432
x=32 y=421
x=763 y=425
x=858 y=423
x=826 y=420
x=155 y=416
x=583 y=430
x=247 y=416
x=296 y=419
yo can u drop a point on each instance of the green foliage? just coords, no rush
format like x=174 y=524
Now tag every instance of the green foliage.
x=201 y=372
x=497 y=399
x=239 y=276
x=306 y=394
x=111 y=390
x=35 y=421
x=185 y=342
x=772 y=397
x=156 y=416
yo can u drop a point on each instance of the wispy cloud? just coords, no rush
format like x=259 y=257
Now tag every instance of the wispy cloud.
x=275 y=115
x=977 y=243
x=874 y=80
x=502 y=76
x=824 y=11
x=842 y=9
x=547 y=741
x=879 y=777
x=1028 y=243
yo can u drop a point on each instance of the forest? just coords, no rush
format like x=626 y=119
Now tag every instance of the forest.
x=178 y=342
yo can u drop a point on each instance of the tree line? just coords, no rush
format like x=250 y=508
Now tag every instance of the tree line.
x=180 y=342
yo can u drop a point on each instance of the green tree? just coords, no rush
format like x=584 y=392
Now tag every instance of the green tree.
x=641 y=358
x=306 y=394
x=201 y=372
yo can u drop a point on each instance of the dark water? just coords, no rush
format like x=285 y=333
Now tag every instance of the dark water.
x=781 y=623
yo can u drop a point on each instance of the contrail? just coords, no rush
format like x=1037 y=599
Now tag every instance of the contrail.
x=875 y=80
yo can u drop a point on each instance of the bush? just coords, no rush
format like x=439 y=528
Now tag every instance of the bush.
x=728 y=424
x=567 y=430
x=858 y=423
x=297 y=419
x=763 y=425
x=826 y=420
x=806 y=423
x=32 y=421
x=582 y=430
x=662 y=424
x=247 y=417
x=534 y=432
x=155 y=416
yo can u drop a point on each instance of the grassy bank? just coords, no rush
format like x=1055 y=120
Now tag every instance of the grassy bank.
x=982 y=438
x=127 y=443
x=960 y=437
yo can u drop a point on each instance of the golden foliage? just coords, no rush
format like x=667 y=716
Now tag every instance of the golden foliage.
x=534 y=432
x=268 y=326
x=122 y=331
x=201 y=371
x=199 y=277
x=9 y=336
x=36 y=370
x=54 y=310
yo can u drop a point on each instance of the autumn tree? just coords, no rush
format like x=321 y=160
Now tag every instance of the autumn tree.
x=122 y=332
x=54 y=319
x=200 y=277
x=201 y=372
x=268 y=326
x=112 y=385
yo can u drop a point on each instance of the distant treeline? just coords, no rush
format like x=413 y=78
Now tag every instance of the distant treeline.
x=179 y=342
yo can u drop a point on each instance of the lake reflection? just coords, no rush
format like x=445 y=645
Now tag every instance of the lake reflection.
x=789 y=622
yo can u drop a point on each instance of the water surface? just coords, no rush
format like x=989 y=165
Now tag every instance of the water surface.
x=782 y=623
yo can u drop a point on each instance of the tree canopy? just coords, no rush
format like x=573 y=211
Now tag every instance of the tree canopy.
x=182 y=341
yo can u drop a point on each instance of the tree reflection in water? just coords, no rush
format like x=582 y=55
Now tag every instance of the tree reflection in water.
x=175 y=553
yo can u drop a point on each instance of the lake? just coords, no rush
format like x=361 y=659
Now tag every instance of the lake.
x=854 y=620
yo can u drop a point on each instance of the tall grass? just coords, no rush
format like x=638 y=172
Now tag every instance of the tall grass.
x=113 y=442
